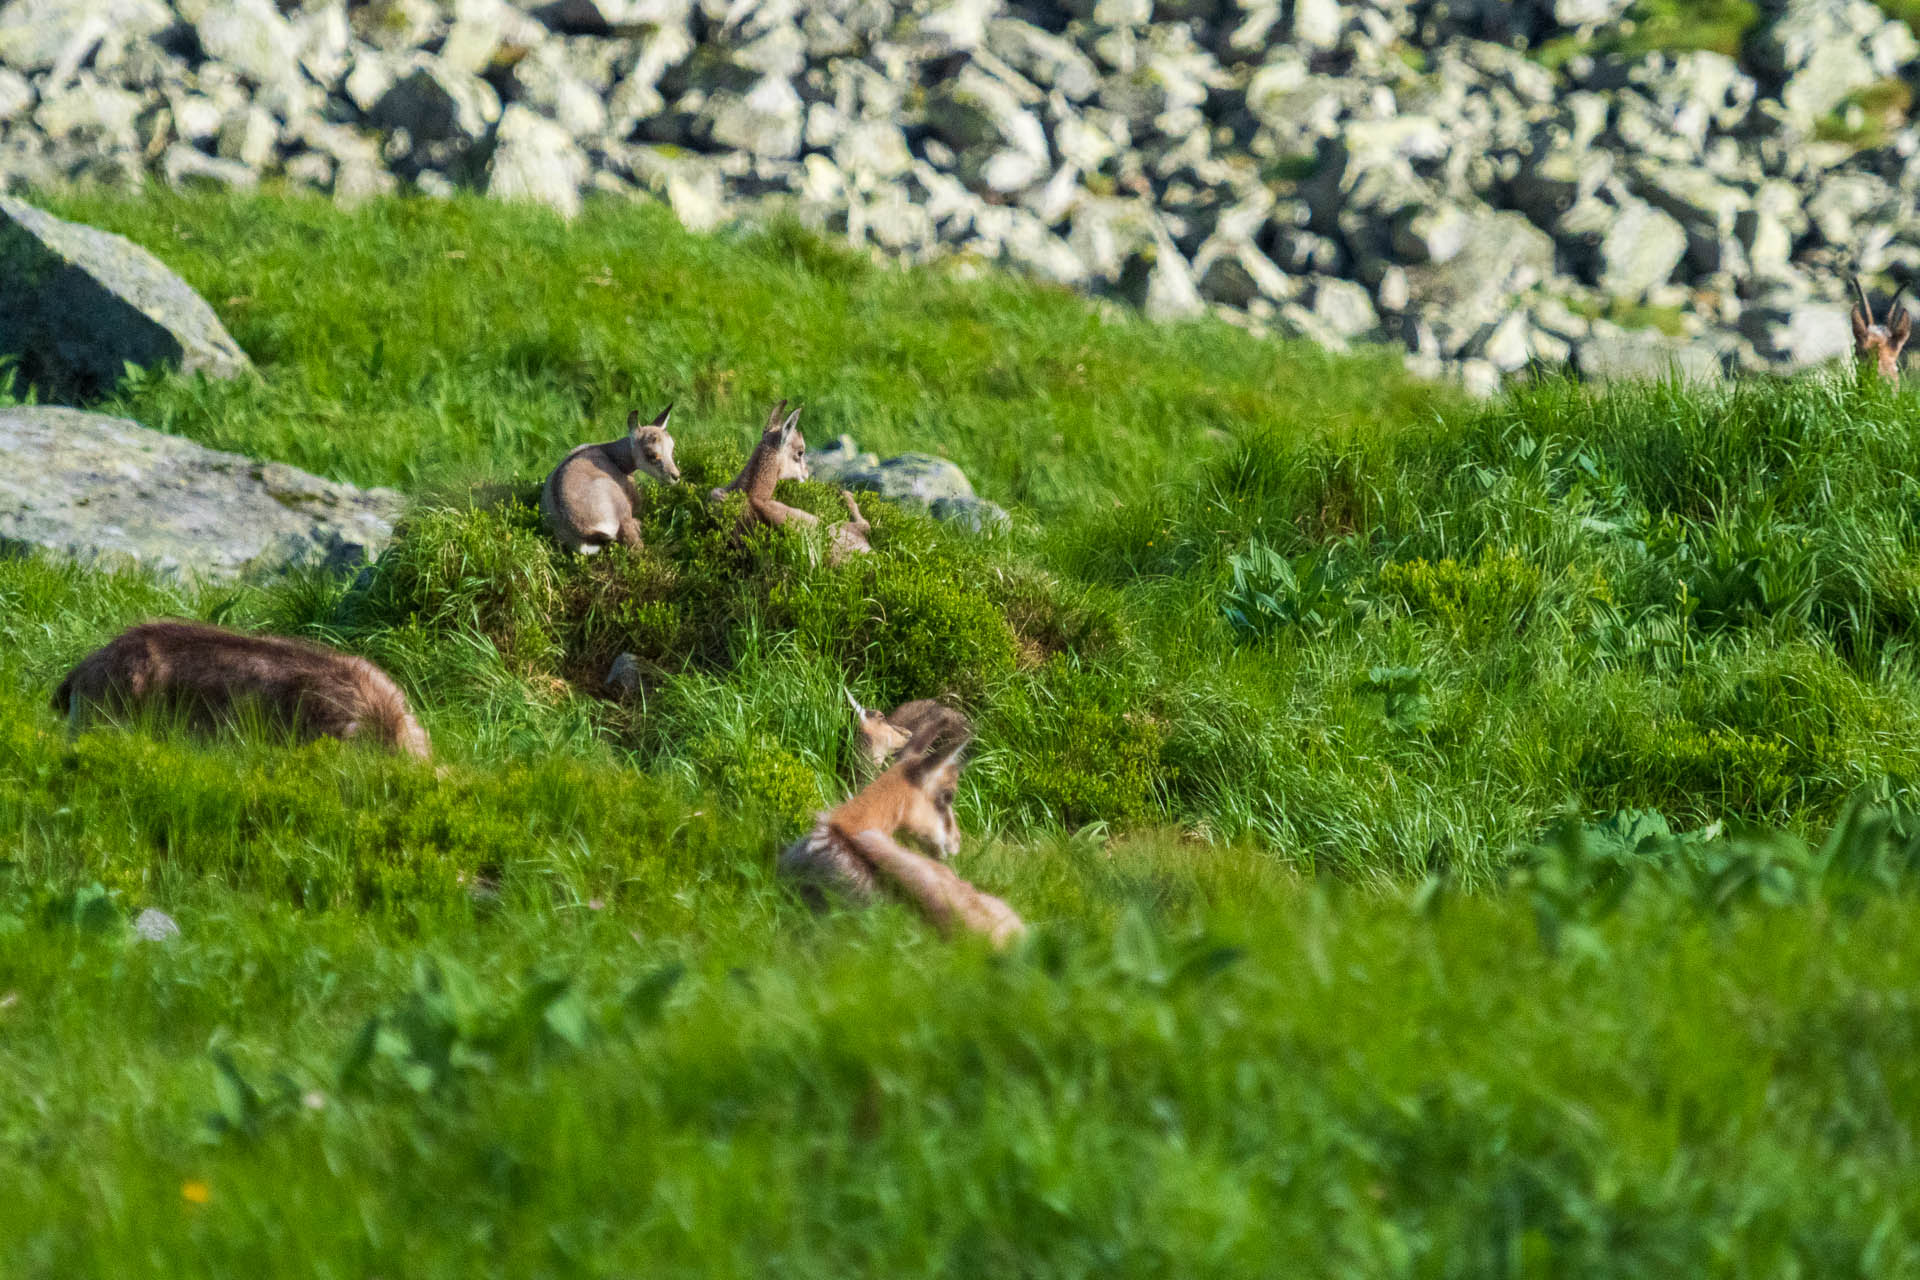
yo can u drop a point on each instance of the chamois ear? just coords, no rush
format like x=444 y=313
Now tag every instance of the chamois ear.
x=793 y=420
x=773 y=419
x=1859 y=328
x=633 y=421
x=1902 y=326
x=660 y=421
x=936 y=744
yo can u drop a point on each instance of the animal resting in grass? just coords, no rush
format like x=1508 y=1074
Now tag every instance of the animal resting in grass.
x=852 y=852
x=206 y=674
x=1876 y=343
x=782 y=455
x=884 y=733
x=589 y=500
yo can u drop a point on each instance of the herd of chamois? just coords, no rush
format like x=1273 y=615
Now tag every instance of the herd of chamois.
x=206 y=674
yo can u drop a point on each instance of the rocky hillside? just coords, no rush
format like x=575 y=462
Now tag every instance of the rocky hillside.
x=1489 y=184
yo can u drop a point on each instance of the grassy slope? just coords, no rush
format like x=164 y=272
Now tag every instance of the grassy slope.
x=1205 y=1063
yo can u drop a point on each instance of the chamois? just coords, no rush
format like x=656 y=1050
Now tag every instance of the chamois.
x=852 y=853
x=204 y=672
x=884 y=733
x=782 y=455
x=589 y=500
x=1879 y=343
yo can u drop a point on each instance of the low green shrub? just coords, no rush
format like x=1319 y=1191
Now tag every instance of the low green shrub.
x=1477 y=600
x=1079 y=745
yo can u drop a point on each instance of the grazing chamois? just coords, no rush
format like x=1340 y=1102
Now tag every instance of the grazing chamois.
x=1877 y=343
x=589 y=500
x=852 y=852
x=205 y=673
x=884 y=733
x=782 y=455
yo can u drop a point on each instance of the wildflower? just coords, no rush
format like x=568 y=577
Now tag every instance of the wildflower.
x=194 y=1191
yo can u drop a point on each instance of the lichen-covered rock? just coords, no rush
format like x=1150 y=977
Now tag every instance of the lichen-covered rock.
x=98 y=488
x=77 y=305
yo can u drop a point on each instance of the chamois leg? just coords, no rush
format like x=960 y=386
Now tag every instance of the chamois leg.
x=777 y=514
x=629 y=533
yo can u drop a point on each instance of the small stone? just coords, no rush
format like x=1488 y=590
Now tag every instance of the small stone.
x=153 y=925
x=1344 y=307
x=623 y=677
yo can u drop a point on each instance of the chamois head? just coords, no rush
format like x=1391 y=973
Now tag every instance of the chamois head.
x=1880 y=343
x=920 y=786
x=884 y=733
x=782 y=436
x=651 y=446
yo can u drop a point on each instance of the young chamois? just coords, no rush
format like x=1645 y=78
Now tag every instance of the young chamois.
x=782 y=455
x=204 y=673
x=852 y=852
x=1876 y=343
x=884 y=733
x=589 y=500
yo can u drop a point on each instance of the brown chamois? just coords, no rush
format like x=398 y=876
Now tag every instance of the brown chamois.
x=852 y=852
x=204 y=672
x=589 y=500
x=883 y=734
x=1880 y=344
x=782 y=455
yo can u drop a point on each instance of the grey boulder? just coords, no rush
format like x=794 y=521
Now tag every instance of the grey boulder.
x=78 y=305
x=919 y=481
x=97 y=488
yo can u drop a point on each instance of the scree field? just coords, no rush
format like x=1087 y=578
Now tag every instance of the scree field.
x=1460 y=840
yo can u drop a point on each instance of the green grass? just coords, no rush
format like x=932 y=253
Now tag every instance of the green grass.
x=1333 y=735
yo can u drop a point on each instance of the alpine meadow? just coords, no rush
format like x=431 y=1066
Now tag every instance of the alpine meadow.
x=1454 y=838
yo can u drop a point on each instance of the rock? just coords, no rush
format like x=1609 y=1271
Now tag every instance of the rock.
x=153 y=925
x=1798 y=335
x=1317 y=23
x=251 y=38
x=16 y=95
x=185 y=166
x=919 y=481
x=1828 y=50
x=434 y=104
x=1502 y=255
x=1612 y=354
x=88 y=486
x=78 y=305
x=535 y=159
x=765 y=121
x=1344 y=307
x=1640 y=250
x=36 y=35
x=623 y=677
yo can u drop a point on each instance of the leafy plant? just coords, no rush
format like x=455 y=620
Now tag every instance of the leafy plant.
x=1268 y=593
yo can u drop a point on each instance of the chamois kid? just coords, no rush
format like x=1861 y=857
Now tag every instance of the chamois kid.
x=782 y=455
x=852 y=852
x=204 y=673
x=884 y=733
x=589 y=500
